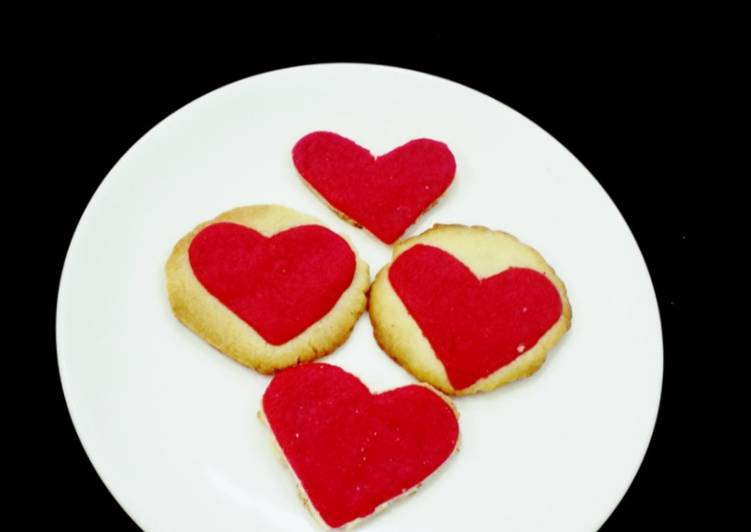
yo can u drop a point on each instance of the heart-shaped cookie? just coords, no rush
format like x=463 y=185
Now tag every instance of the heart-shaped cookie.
x=278 y=285
x=468 y=309
x=352 y=451
x=267 y=285
x=384 y=194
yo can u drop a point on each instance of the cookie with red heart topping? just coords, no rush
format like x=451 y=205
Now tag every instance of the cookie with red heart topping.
x=267 y=285
x=351 y=451
x=468 y=309
x=384 y=194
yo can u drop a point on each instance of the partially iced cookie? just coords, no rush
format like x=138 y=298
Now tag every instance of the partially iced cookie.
x=267 y=285
x=468 y=309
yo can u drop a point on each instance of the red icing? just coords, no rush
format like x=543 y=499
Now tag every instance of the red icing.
x=279 y=285
x=475 y=326
x=350 y=449
x=384 y=194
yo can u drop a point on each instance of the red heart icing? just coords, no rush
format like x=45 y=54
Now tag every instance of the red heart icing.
x=352 y=450
x=475 y=326
x=279 y=285
x=384 y=194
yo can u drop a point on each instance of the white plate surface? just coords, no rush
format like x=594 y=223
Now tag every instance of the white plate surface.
x=170 y=424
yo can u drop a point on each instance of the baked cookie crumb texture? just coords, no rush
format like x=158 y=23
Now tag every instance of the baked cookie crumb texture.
x=267 y=285
x=468 y=309
x=352 y=452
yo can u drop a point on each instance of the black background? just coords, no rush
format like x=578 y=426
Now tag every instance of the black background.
x=613 y=106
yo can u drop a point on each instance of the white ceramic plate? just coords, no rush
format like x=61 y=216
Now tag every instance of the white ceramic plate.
x=170 y=424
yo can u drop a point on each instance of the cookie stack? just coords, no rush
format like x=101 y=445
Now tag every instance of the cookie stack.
x=463 y=309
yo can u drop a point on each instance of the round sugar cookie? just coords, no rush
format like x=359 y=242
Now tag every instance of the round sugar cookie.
x=267 y=285
x=468 y=309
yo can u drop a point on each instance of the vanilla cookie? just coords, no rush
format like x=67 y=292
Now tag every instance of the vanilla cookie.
x=267 y=285
x=353 y=452
x=468 y=309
